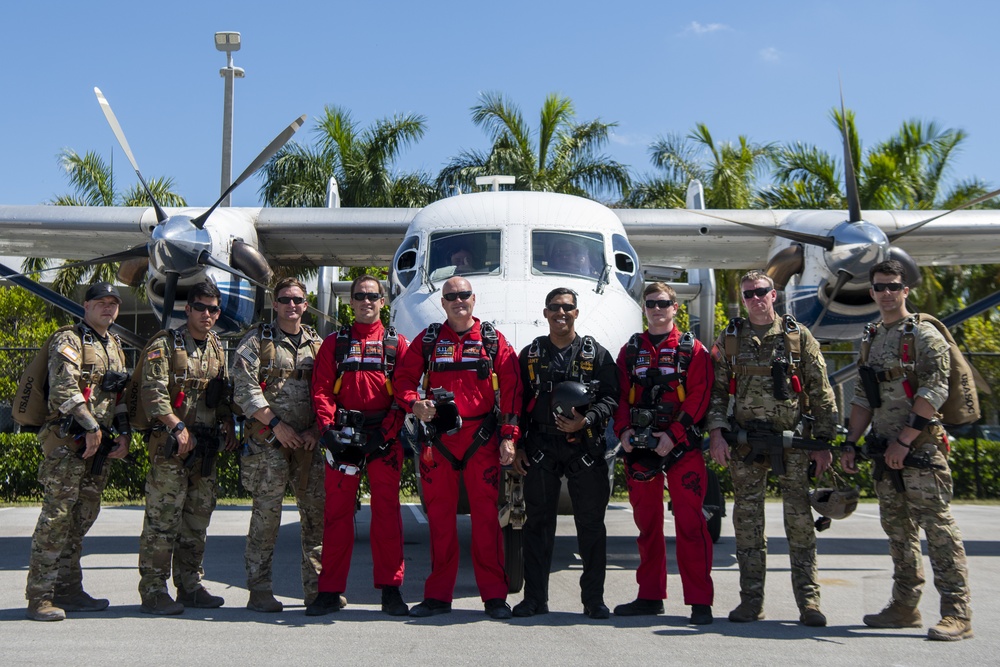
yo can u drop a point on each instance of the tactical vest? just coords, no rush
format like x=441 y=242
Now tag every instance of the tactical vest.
x=787 y=365
x=581 y=367
x=390 y=346
x=682 y=361
x=962 y=405
x=178 y=376
x=30 y=403
x=267 y=370
x=484 y=366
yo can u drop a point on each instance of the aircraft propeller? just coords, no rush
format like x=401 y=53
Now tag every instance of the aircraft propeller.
x=179 y=247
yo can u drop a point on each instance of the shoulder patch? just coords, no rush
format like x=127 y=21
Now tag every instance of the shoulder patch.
x=154 y=354
x=248 y=354
x=70 y=353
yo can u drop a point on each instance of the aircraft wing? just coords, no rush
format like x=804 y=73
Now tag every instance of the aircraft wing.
x=691 y=239
x=288 y=236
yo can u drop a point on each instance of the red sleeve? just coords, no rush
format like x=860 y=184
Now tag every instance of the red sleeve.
x=394 y=419
x=698 y=383
x=623 y=419
x=509 y=374
x=323 y=381
x=406 y=380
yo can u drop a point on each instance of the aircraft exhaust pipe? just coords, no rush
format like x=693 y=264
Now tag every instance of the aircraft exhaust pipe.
x=913 y=275
x=248 y=259
x=784 y=265
x=132 y=272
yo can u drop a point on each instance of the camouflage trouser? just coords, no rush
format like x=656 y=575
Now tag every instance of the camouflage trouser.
x=749 y=486
x=70 y=507
x=925 y=504
x=179 y=505
x=266 y=474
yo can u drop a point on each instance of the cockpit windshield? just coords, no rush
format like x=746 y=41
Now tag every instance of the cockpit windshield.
x=567 y=253
x=464 y=254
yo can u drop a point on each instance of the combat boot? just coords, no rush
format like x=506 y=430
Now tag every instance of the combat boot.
x=44 y=610
x=746 y=612
x=80 y=601
x=640 y=607
x=199 y=598
x=326 y=603
x=392 y=602
x=264 y=601
x=812 y=617
x=951 y=629
x=895 y=615
x=161 y=605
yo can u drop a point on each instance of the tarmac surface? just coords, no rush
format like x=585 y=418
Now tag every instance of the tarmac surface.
x=854 y=569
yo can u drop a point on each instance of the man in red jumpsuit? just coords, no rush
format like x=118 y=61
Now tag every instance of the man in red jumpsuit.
x=351 y=380
x=477 y=364
x=670 y=381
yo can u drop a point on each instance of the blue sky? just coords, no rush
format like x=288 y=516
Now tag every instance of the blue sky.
x=766 y=69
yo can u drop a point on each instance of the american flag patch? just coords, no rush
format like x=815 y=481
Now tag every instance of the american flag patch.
x=154 y=354
x=248 y=354
x=68 y=352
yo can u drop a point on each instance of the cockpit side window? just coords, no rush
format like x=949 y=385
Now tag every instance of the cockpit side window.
x=567 y=253
x=627 y=267
x=463 y=254
x=404 y=265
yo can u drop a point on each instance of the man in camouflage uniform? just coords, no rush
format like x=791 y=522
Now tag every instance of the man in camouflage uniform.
x=80 y=404
x=908 y=420
x=185 y=407
x=272 y=372
x=747 y=379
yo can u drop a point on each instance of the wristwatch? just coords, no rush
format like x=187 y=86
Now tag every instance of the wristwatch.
x=94 y=430
x=274 y=422
x=178 y=428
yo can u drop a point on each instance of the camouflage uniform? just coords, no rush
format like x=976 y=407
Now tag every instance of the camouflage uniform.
x=266 y=467
x=72 y=493
x=179 y=499
x=925 y=502
x=755 y=401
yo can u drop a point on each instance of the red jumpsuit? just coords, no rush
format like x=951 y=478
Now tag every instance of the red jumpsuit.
x=686 y=478
x=474 y=398
x=363 y=390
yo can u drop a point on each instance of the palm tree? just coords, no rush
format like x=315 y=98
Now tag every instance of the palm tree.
x=561 y=156
x=728 y=171
x=93 y=184
x=360 y=160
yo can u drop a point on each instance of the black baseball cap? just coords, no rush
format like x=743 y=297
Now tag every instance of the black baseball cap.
x=101 y=290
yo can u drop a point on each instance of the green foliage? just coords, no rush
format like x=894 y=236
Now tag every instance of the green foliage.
x=564 y=158
x=24 y=326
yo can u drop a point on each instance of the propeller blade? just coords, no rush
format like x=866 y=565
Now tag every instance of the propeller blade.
x=64 y=303
x=264 y=156
x=131 y=253
x=850 y=179
x=842 y=278
x=169 y=296
x=206 y=259
x=120 y=135
x=825 y=242
x=899 y=233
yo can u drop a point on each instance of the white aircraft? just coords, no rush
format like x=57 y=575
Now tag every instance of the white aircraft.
x=517 y=246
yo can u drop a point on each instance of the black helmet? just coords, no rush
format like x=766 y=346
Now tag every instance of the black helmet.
x=568 y=395
x=446 y=421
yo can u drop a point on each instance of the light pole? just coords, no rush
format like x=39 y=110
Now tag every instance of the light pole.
x=228 y=42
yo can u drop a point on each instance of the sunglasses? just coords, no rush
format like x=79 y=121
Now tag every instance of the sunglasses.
x=658 y=303
x=366 y=296
x=565 y=307
x=892 y=287
x=454 y=296
x=759 y=292
x=297 y=300
x=202 y=307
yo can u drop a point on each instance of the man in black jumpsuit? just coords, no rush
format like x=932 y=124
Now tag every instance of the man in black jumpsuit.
x=571 y=445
